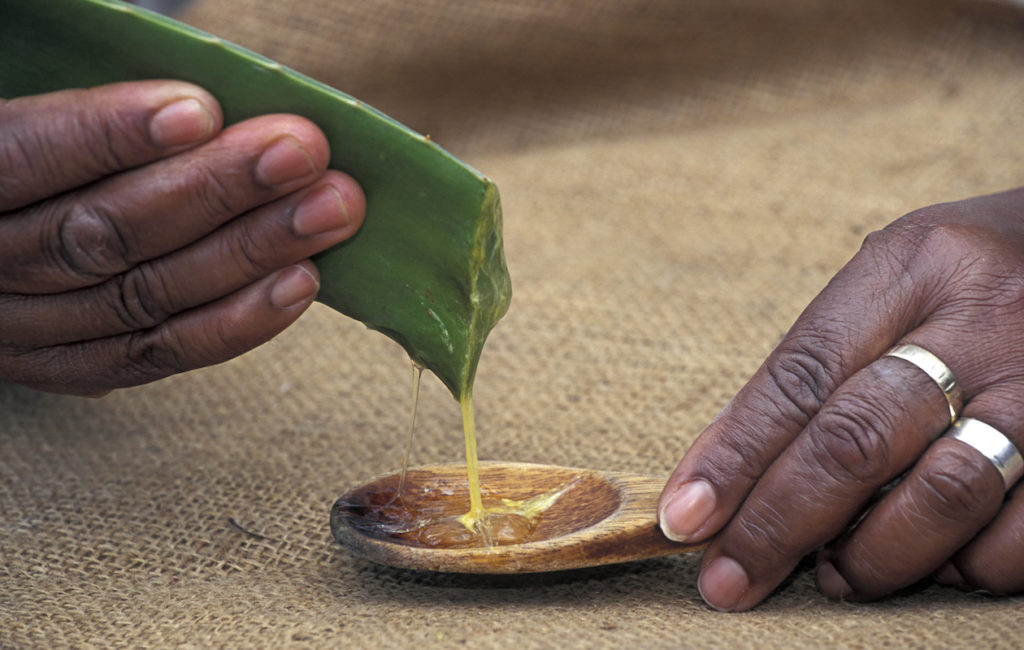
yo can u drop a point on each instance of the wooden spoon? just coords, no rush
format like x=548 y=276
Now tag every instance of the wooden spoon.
x=600 y=518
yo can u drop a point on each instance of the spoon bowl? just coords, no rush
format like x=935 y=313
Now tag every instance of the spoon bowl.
x=597 y=518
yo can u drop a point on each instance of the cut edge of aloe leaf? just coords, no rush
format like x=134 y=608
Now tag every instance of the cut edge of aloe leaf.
x=427 y=267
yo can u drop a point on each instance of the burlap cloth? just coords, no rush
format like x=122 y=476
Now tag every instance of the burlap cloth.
x=679 y=180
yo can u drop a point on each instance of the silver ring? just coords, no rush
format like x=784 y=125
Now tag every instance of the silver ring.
x=993 y=445
x=938 y=371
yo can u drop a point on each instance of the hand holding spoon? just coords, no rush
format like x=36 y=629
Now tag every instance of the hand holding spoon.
x=578 y=518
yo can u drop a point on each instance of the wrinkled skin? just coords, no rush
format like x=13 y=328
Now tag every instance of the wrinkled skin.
x=139 y=238
x=796 y=456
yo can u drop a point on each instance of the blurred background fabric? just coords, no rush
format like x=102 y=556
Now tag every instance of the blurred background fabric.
x=679 y=180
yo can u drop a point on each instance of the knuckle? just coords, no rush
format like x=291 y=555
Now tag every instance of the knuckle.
x=153 y=354
x=803 y=374
x=110 y=137
x=121 y=139
x=958 y=246
x=953 y=484
x=213 y=195
x=249 y=253
x=738 y=455
x=971 y=267
x=850 y=440
x=922 y=233
x=886 y=253
x=930 y=218
x=87 y=243
x=763 y=531
x=139 y=298
x=964 y=255
x=227 y=336
x=22 y=160
x=882 y=241
x=162 y=351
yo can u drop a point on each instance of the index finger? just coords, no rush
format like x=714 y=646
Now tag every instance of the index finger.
x=851 y=323
x=62 y=140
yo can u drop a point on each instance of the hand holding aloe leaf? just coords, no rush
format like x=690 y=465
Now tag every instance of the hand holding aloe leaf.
x=134 y=277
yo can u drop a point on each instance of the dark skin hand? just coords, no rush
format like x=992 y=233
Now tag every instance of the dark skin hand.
x=793 y=460
x=139 y=239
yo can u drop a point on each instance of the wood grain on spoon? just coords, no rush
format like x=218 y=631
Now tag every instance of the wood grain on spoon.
x=601 y=518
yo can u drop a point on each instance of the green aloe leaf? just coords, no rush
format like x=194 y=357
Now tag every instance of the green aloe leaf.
x=427 y=268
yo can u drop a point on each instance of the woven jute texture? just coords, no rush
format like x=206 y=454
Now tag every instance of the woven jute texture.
x=679 y=180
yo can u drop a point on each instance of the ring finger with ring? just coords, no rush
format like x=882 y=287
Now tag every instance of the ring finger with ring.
x=872 y=428
x=953 y=491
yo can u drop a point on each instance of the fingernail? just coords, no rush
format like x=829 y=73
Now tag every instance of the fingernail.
x=687 y=510
x=949 y=575
x=295 y=286
x=832 y=583
x=723 y=583
x=319 y=212
x=182 y=122
x=283 y=161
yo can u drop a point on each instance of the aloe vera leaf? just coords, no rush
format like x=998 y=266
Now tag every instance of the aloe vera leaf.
x=427 y=267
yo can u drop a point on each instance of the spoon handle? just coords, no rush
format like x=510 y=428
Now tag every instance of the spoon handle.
x=632 y=532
